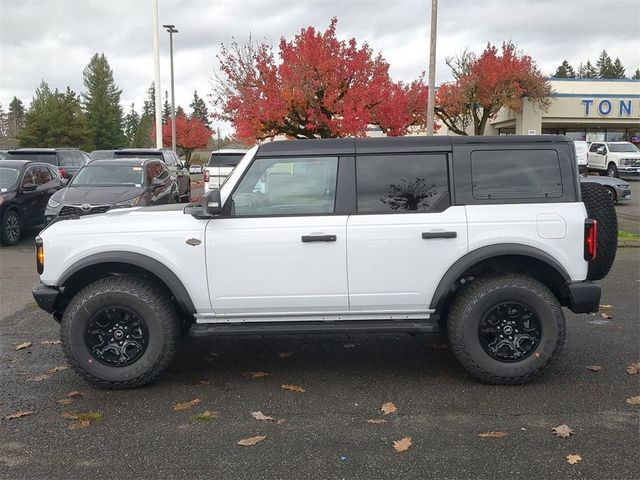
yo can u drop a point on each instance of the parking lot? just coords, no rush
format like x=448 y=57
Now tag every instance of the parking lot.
x=324 y=431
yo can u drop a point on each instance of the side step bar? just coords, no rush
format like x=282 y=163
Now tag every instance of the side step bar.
x=341 y=326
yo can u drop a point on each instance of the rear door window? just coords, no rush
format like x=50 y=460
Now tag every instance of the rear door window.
x=43 y=174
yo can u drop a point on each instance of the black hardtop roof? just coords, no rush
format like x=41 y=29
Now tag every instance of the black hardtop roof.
x=351 y=146
x=142 y=150
x=122 y=161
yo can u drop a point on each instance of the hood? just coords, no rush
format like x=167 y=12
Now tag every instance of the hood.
x=626 y=154
x=603 y=180
x=96 y=195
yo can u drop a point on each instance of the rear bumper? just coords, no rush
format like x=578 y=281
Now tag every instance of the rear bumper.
x=584 y=297
x=45 y=296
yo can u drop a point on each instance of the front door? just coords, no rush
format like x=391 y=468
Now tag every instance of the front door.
x=282 y=250
x=405 y=234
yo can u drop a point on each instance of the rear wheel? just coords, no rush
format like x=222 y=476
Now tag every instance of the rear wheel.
x=612 y=194
x=120 y=332
x=507 y=329
x=11 y=227
x=599 y=204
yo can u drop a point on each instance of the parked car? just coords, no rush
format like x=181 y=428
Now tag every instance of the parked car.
x=99 y=154
x=25 y=188
x=195 y=168
x=582 y=148
x=177 y=168
x=3 y=154
x=221 y=164
x=484 y=238
x=618 y=189
x=106 y=184
x=67 y=160
x=614 y=159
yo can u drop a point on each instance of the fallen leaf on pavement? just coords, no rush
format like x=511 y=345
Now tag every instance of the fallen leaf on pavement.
x=633 y=368
x=606 y=316
x=293 y=388
x=57 y=369
x=261 y=416
x=247 y=442
x=492 y=434
x=633 y=400
x=376 y=421
x=594 y=368
x=388 y=408
x=79 y=424
x=254 y=375
x=573 y=459
x=50 y=342
x=402 y=445
x=186 y=405
x=606 y=306
x=65 y=401
x=280 y=421
x=285 y=354
x=23 y=345
x=562 y=431
x=69 y=416
x=206 y=416
x=19 y=414
x=74 y=394
x=204 y=381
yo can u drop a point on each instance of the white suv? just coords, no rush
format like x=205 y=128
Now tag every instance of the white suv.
x=464 y=235
x=221 y=164
x=614 y=159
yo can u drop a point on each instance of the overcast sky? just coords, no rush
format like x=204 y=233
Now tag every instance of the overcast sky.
x=54 y=39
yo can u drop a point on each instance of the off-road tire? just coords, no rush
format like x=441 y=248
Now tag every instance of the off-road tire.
x=10 y=215
x=149 y=302
x=481 y=295
x=600 y=207
x=612 y=170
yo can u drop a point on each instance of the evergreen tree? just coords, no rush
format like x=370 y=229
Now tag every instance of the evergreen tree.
x=15 y=118
x=179 y=111
x=589 y=71
x=131 y=124
x=149 y=105
x=166 y=108
x=636 y=76
x=605 y=65
x=142 y=137
x=617 y=70
x=3 y=122
x=565 y=71
x=199 y=109
x=101 y=102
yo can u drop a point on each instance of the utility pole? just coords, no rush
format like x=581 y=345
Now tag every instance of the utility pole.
x=156 y=82
x=432 y=67
x=172 y=29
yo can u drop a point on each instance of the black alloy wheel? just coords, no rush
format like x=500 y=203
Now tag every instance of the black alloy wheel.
x=11 y=228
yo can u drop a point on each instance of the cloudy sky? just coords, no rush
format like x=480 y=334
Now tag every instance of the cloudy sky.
x=54 y=39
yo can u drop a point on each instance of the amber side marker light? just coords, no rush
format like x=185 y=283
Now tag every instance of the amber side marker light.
x=39 y=255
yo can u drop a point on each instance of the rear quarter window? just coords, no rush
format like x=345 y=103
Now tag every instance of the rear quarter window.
x=515 y=174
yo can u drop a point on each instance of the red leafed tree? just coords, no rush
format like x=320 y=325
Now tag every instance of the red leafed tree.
x=320 y=87
x=191 y=134
x=484 y=85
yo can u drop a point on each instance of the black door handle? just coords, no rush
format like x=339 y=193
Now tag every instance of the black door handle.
x=428 y=235
x=318 y=238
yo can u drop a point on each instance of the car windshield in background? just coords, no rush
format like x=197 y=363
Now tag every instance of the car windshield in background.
x=108 y=176
x=225 y=160
x=623 y=147
x=34 y=157
x=8 y=177
x=101 y=154
x=138 y=154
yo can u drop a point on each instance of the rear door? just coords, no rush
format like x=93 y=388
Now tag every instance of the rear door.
x=178 y=172
x=405 y=234
x=30 y=200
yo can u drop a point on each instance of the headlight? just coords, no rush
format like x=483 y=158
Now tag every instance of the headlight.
x=128 y=203
x=52 y=203
x=626 y=187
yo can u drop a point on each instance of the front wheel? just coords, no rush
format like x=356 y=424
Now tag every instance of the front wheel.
x=612 y=170
x=11 y=228
x=120 y=332
x=506 y=329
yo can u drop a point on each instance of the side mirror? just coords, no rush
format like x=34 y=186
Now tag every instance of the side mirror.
x=157 y=182
x=29 y=187
x=211 y=203
x=64 y=181
x=601 y=151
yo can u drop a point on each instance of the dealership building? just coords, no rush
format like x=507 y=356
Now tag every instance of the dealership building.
x=582 y=109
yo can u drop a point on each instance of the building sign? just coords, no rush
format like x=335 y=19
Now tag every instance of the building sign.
x=605 y=107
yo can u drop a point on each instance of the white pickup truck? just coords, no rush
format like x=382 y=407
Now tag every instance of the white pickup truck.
x=614 y=159
x=416 y=234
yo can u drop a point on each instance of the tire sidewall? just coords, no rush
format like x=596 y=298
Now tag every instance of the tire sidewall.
x=543 y=353
x=5 y=233
x=74 y=331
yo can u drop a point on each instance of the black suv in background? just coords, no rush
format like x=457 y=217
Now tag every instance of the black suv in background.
x=25 y=188
x=178 y=169
x=68 y=160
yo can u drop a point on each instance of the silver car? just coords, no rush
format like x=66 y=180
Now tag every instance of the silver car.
x=618 y=189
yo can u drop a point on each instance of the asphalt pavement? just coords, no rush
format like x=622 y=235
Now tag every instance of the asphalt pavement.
x=325 y=433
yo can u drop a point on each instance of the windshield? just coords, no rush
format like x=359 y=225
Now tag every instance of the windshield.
x=225 y=159
x=109 y=176
x=34 y=157
x=8 y=177
x=623 y=147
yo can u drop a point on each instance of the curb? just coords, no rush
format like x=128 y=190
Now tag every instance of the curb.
x=628 y=243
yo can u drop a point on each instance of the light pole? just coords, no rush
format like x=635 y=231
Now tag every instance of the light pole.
x=172 y=29
x=156 y=81
x=432 y=67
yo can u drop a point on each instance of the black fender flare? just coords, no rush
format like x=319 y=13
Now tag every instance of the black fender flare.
x=140 y=260
x=483 y=253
